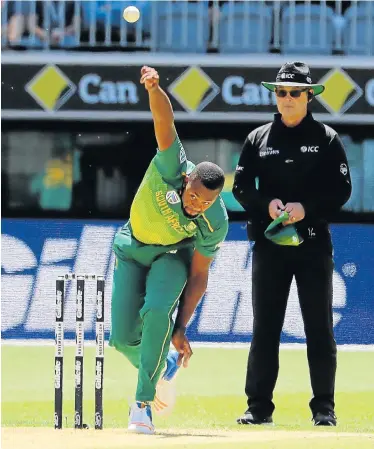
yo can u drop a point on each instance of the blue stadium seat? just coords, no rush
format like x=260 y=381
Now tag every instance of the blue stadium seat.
x=100 y=11
x=304 y=36
x=31 y=42
x=245 y=27
x=181 y=27
x=358 y=34
x=88 y=13
x=69 y=42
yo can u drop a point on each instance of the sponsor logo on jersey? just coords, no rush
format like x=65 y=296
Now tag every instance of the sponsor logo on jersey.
x=268 y=152
x=190 y=227
x=311 y=149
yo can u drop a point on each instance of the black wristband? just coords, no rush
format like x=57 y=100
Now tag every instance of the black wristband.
x=178 y=328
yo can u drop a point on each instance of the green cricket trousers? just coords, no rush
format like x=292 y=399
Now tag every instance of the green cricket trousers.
x=148 y=281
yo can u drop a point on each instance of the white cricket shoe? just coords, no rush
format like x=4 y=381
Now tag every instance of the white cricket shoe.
x=140 y=418
x=166 y=388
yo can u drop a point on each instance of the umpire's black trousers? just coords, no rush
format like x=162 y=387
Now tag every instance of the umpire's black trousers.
x=273 y=268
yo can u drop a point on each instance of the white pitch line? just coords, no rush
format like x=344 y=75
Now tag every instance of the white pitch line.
x=91 y=343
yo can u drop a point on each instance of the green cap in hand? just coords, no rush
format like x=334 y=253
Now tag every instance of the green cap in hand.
x=283 y=235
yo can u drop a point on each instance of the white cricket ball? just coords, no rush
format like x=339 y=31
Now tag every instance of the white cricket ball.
x=131 y=14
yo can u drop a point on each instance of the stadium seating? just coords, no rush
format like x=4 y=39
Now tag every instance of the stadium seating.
x=307 y=29
x=245 y=28
x=358 y=34
x=176 y=26
x=181 y=27
x=110 y=13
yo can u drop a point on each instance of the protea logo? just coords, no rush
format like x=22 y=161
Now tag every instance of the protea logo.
x=172 y=197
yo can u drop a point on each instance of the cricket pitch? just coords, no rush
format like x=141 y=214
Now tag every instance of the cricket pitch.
x=43 y=438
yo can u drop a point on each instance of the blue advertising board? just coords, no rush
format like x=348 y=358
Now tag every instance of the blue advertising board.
x=35 y=252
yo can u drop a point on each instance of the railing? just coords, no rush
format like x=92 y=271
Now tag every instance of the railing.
x=325 y=27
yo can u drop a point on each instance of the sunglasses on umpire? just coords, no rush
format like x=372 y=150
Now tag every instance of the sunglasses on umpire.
x=293 y=93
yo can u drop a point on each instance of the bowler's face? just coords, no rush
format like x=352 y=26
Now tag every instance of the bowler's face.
x=196 y=198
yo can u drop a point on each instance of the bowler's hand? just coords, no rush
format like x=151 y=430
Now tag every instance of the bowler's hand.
x=182 y=345
x=149 y=77
x=295 y=211
x=276 y=207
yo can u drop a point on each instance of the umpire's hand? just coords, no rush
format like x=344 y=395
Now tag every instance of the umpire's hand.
x=276 y=207
x=296 y=212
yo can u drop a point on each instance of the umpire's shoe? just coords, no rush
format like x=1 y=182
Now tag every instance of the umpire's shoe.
x=253 y=418
x=324 y=419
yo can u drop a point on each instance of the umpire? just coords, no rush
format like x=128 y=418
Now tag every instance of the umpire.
x=292 y=177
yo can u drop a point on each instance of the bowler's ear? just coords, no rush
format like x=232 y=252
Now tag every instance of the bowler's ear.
x=310 y=96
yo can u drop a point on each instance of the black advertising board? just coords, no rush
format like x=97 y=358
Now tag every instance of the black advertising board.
x=201 y=89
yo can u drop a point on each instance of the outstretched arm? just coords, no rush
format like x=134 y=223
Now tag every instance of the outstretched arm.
x=162 y=111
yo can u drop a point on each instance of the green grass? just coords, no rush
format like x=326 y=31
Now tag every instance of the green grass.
x=210 y=391
x=304 y=444
x=286 y=444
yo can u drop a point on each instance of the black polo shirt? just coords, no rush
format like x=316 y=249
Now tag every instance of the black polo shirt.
x=305 y=164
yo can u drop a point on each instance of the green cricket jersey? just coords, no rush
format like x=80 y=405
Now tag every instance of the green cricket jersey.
x=156 y=216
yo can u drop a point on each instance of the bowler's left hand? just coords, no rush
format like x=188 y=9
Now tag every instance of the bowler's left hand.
x=295 y=211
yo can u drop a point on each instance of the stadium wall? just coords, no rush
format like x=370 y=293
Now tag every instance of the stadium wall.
x=206 y=88
x=35 y=252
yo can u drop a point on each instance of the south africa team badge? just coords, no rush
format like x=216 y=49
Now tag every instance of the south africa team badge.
x=172 y=197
